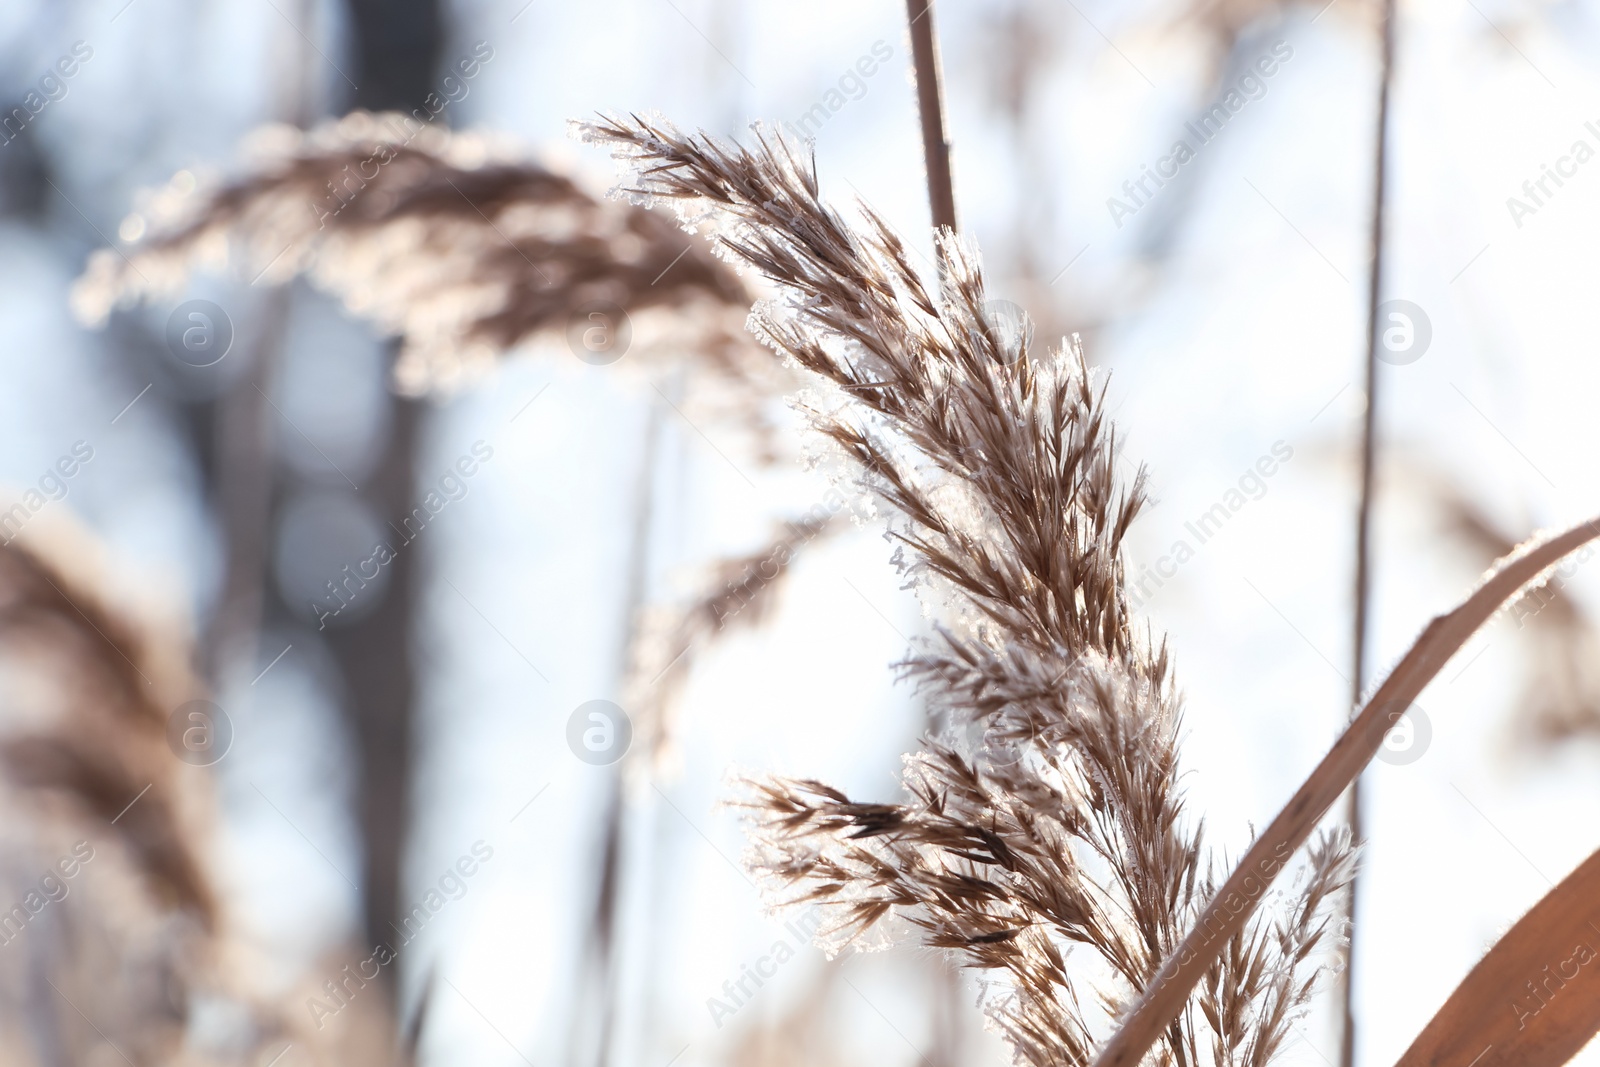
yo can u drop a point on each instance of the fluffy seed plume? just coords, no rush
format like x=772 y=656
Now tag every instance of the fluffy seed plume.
x=1049 y=818
x=464 y=248
x=108 y=919
x=455 y=242
x=112 y=933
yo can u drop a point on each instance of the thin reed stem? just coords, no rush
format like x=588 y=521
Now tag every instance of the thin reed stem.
x=1354 y=816
x=1232 y=905
x=240 y=442
x=606 y=918
x=930 y=103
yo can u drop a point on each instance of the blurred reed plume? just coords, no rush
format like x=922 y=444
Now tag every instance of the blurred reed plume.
x=465 y=249
x=1048 y=815
x=97 y=809
x=1559 y=698
x=455 y=242
x=734 y=593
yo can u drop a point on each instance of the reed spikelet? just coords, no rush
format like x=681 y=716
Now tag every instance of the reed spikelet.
x=735 y=593
x=1050 y=815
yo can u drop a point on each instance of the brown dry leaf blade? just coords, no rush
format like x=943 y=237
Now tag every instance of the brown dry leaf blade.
x=1234 y=903
x=1534 y=1000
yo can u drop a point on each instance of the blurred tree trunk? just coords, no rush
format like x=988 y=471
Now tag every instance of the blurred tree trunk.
x=373 y=655
x=396 y=47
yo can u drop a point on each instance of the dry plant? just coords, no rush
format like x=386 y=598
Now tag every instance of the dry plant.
x=1557 y=932
x=456 y=243
x=1044 y=838
x=1223 y=24
x=1022 y=47
x=107 y=963
x=465 y=249
x=112 y=953
x=1049 y=816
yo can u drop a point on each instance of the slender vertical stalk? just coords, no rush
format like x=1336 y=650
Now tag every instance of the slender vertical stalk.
x=608 y=893
x=930 y=103
x=942 y=204
x=241 y=469
x=395 y=46
x=244 y=479
x=1369 y=450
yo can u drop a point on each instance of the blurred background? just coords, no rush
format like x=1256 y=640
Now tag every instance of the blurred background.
x=369 y=760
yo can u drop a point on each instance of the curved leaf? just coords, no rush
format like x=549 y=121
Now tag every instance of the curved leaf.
x=1534 y=1000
